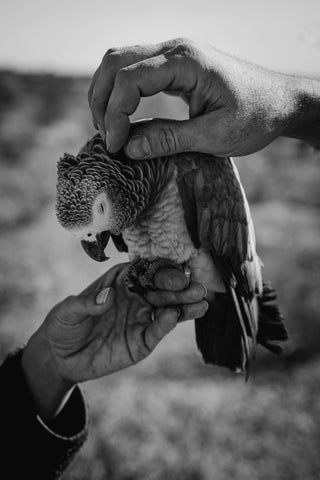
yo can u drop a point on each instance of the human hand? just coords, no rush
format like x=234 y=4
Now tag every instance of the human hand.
x=81 y=339
x=235 y=108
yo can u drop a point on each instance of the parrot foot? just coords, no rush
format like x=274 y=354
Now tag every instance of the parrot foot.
x=142 y=271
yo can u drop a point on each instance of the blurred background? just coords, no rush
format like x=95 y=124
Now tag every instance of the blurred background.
x=170 y=417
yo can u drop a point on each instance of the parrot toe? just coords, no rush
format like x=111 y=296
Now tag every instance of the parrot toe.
x=142 y=271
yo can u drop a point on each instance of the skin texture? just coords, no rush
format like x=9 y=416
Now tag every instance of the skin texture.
x=81 y=340
x=236 y=108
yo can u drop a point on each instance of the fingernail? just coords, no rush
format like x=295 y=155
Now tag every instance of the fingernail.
x=138 y=147
x=102 y=131
x=102 y=296
x=108 y=140
x=205 y=290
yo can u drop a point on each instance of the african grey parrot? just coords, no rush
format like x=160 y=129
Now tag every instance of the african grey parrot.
x=171 y=210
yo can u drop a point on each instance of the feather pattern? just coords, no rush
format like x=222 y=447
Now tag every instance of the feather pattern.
x=133 y=185
x=224 y=227
x=216 y=217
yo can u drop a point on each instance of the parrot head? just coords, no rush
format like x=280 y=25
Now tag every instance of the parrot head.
x=98 y=221
x=99 y=195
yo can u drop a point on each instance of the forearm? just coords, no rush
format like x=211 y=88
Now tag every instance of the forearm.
x=304 y=122
x=34 y=449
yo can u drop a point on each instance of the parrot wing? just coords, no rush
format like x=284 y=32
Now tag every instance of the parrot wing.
x=219 y=221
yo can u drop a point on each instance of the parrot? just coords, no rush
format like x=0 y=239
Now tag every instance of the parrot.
x=181 y=210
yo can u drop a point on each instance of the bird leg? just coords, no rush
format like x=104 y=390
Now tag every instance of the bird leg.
x=142 y=271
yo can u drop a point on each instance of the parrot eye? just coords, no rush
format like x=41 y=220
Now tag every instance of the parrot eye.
x=89 y=235
x=101 y=208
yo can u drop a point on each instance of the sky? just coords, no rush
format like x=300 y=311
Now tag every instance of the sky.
x=71 y=36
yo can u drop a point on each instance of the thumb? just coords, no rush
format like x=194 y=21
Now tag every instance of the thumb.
x=159 y=137
x=75 y=309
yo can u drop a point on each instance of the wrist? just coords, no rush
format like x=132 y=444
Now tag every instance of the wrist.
x=48 y=389
x=304 y=122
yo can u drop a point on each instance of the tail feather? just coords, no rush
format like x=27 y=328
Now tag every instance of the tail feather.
x=271 y=323
x=219 y=335
x=227 y=334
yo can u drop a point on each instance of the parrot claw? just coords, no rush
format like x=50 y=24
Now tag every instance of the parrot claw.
x=142 y=271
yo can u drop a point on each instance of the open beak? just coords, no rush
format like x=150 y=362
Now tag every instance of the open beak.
x=95 y=250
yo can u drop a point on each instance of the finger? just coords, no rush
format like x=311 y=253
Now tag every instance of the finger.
x=208 y=133
x=115 y=59
x=92 y=84
x=170 y=279
x=90 y=94
x=102 y=83
x=143 y=79
x=162 y=298
x=159 y=137
x=192 y=311
x=165 y=321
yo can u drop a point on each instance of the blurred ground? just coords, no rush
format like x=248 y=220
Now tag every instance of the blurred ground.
x=170 y=417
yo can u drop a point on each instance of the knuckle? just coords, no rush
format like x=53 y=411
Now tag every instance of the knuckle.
x=155 y=298
x=167 y=140
x=85 y=302
x=167 y=324
x=122 y=78
x=111 y=57
x=145 y=349
x=69 y=300
x=185 y=48
x=182 y=42
x=110 y=51
x=141 y=351
x=111 y=62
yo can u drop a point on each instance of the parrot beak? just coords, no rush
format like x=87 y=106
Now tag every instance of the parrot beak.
x=95 y=250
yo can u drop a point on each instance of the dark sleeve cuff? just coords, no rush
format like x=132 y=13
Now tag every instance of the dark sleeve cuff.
x=33 y=448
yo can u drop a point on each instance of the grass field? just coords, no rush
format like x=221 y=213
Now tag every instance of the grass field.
x=169 y=417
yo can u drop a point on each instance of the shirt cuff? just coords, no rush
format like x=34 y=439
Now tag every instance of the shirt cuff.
x=72 y=420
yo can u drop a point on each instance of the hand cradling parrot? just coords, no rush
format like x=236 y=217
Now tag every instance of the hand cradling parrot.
x=183 y=210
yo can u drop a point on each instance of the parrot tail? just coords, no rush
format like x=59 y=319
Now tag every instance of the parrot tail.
x=220 y=338
x=271 y=327
x=224 y=335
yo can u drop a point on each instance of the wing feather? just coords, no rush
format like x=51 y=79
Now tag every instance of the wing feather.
x=224 y=227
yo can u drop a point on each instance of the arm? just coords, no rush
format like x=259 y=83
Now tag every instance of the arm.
x=104 y=329
x=33 y=448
